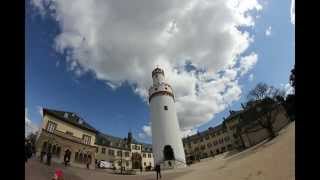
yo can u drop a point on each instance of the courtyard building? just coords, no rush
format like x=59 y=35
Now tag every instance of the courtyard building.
x=241 y=129
x=62 y=131
x=127 y=153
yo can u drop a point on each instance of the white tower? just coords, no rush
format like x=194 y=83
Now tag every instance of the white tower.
x=165 y=126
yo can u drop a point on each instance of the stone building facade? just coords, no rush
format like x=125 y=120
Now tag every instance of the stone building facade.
x=127 y=152
x=208 y=143
x=62 y=131
x=236 y=132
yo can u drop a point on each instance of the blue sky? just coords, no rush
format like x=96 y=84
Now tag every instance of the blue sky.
x=50 y=83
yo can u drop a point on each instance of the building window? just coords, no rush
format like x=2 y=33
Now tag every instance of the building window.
x=207 y=137
x=126 y=154
x=97 y=149
x=149 y=155
x=69 y=133
x=111 y=152
x=223 y=149
x=51 y=127
x=144 y=155
x=103 y=150
x=119 y=153
x=201 y=140
x=127 y=163
x=209 y=145
x=165 y=107
x=86 y=139
x=145 y=164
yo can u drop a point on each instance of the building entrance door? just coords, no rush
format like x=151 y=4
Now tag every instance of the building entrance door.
x=136 y=161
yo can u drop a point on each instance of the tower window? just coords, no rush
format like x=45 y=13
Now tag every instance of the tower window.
x=165 y=107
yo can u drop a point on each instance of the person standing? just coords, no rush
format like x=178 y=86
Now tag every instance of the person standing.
x=158 y=170
x=58 y=175
x=42 y=155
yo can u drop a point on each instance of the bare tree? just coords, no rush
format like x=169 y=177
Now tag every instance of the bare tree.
x=263 y=90
x=264 y=114
x=259 y=92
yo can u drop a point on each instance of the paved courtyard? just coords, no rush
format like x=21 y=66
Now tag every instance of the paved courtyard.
x=34 y=170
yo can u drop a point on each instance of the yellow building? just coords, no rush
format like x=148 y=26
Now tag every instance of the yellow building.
x=62 y=131
x=124 y=152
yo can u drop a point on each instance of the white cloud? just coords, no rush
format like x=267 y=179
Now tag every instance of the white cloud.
x=30 y=127
x=268 y=31
x=39 y=108
x=147 y=130
x=251 y=77
x=287 y=88
x=188 y=132
x=122 y=41
x=247 y=63
x=292 y=12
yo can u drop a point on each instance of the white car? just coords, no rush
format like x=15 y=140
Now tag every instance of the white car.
x=104 y=164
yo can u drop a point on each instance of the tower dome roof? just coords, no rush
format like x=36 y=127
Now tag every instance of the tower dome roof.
x=157 y=70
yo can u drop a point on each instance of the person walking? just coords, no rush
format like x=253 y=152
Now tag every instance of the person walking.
x=140 y=169
x=49 y=158
x=158 y=170
x=25 y=151
x=42 y=155
x=88 y=162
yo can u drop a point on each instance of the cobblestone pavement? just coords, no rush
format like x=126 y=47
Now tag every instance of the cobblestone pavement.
x=34 y=170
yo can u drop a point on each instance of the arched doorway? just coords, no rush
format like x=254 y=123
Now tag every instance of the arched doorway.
x=168 y=153
x=136 y=161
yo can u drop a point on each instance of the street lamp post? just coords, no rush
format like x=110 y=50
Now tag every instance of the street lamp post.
x=121 y=162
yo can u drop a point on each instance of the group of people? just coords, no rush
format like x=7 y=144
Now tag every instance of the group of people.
x=48 y=155
x=29 y=149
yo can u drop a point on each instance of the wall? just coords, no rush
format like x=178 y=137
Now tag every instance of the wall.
x=165 y=128
x=63 y=126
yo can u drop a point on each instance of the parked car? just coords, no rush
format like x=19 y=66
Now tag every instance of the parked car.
x=104 y=164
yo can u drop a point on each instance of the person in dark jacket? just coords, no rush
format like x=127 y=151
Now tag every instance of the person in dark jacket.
x=158 y=170
x=29 y=149
x=49 y=158
x=25 y=152
x=42 y=155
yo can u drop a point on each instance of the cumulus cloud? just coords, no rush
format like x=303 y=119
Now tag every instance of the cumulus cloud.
x=292 y=12
x=268 y=31
x=39 y=108
x=188 y=132
x=122 y=41
x=30 y=127
x=288 y=89
x=251 y=77
x=247 y=63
